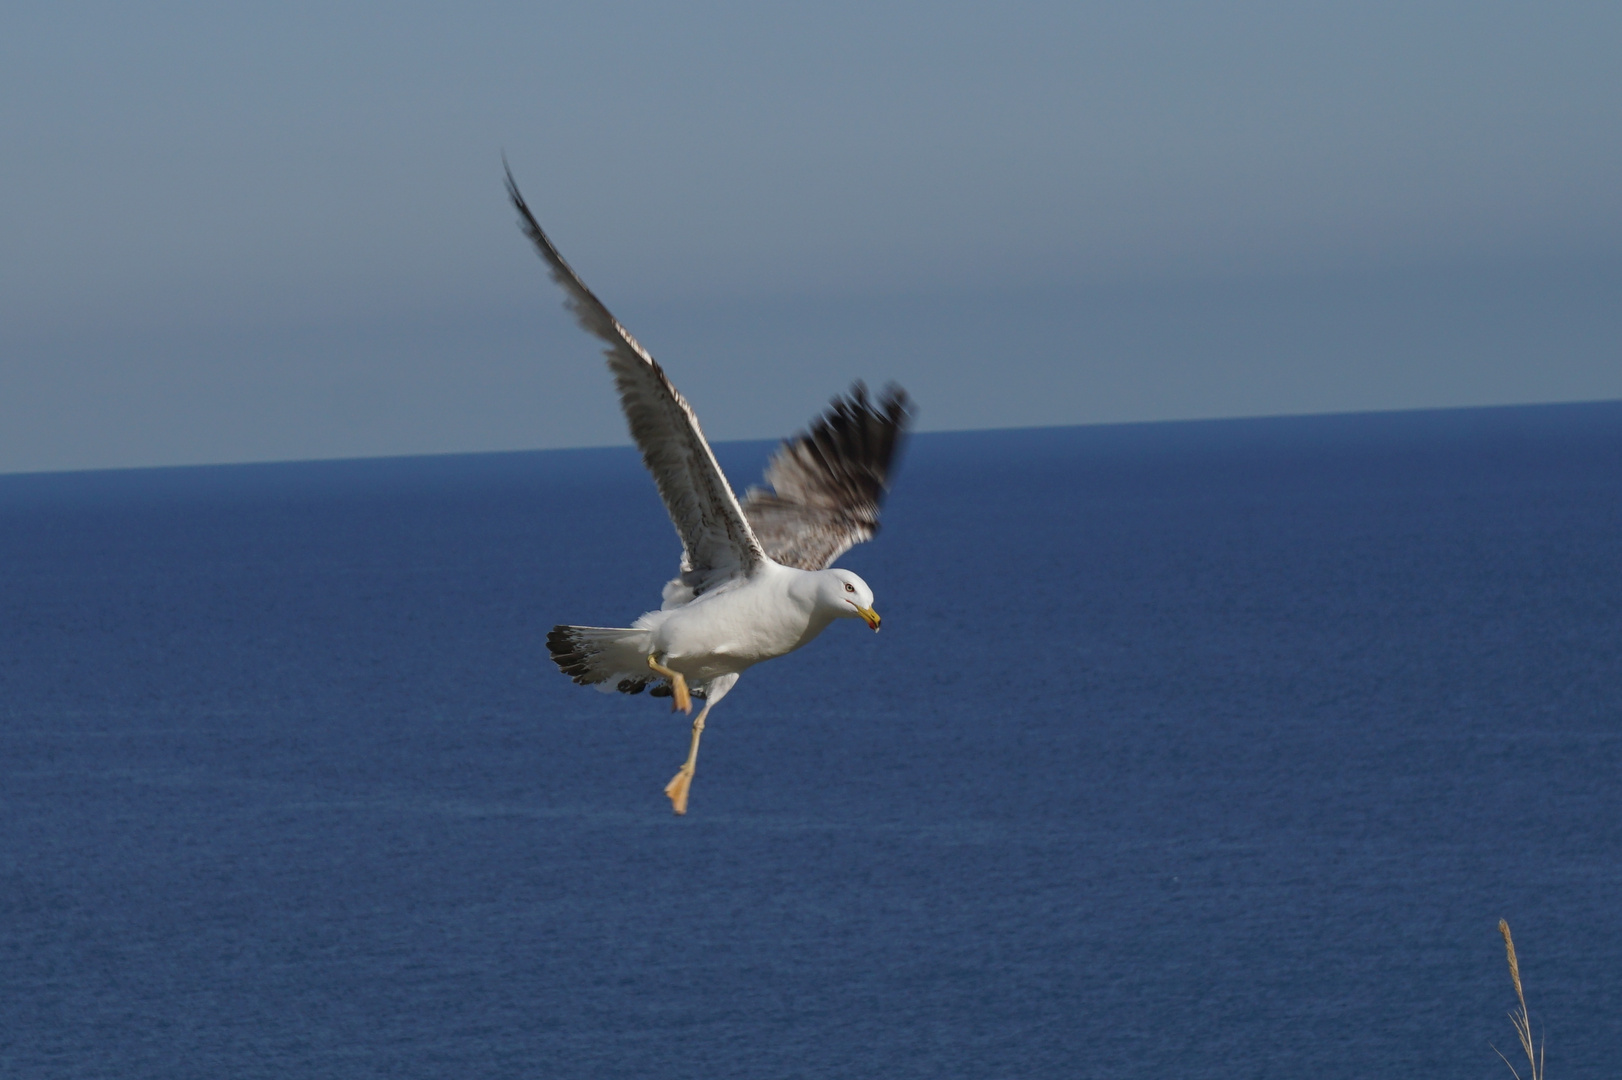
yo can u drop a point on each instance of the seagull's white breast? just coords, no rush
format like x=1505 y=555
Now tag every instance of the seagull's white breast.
x=737 y=627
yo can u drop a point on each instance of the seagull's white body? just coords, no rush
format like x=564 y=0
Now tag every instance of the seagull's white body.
x=769 y=613
x=755 y=579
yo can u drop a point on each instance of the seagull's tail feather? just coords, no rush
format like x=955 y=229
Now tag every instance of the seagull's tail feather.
x=607 y=657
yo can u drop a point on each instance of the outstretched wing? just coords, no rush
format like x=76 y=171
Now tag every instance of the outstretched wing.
x=828 y=481
x=717 y=541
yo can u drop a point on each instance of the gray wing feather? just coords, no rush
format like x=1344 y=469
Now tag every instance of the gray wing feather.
x=717 y=541
x=829 y=481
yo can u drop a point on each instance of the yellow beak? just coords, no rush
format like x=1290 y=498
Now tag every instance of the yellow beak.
x=871 y=616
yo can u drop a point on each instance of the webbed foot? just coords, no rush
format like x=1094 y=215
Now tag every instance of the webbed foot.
x=682 y=782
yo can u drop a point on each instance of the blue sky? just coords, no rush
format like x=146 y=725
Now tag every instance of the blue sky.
x=239 y=232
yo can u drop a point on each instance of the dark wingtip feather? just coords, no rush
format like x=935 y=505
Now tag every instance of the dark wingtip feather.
x=829 y=481
x=859 y=436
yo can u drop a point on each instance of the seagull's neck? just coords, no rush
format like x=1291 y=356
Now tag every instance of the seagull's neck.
x=803 y=587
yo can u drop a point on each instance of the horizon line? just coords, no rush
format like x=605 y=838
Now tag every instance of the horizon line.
x=628 y=445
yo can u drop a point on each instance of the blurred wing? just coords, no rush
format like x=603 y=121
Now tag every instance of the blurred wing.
x=716 y=538
x=828 y=481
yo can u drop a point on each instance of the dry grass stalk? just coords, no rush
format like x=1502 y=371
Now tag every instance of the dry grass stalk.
x=1522 y=1020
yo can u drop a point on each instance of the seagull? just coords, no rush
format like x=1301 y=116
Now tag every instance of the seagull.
x=755 y=580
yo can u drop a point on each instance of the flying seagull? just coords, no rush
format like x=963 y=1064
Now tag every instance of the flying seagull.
x=755 y=581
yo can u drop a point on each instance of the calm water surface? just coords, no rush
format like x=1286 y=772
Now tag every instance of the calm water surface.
x=1188 y=750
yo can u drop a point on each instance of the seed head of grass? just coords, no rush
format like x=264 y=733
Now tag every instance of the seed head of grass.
x=1522 y=1020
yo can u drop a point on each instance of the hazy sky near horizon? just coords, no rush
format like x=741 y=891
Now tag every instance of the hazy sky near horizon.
x=252 y=232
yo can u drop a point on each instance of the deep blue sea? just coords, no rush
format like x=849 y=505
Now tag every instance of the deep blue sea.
x=1188 y=750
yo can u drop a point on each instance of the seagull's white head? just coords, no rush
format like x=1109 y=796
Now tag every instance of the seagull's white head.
x=846 y=596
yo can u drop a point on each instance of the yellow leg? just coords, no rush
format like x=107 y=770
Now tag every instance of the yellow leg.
x=680 y=783
x=681 y=700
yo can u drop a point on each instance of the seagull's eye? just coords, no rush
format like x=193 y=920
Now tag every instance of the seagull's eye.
x=849 y=587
